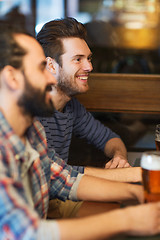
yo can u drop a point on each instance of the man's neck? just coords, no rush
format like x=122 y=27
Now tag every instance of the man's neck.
x=17 y=121
x=60 y=100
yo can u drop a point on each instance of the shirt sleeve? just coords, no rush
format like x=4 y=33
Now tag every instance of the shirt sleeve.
x=63 y=176
x=73 y=192
x=86 y=126
x=80 y=169
x=48 y=230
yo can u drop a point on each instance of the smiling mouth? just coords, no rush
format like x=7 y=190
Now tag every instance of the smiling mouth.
x=83 y=78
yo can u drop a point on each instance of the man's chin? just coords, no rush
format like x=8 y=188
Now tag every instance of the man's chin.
x=84 y=89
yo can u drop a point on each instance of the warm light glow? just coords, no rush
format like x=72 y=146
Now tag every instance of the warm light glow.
x=134 y=25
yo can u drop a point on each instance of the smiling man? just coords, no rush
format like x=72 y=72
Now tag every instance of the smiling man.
x=72 y=76
x=69 y=60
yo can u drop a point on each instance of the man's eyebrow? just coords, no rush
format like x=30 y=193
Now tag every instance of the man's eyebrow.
x=82 y=55
x=78 y=55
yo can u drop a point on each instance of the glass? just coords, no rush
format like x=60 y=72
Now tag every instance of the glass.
x=150 y=164
x=157 y=137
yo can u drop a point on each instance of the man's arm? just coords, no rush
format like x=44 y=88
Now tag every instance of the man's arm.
x=131 y=174
x=140 y=220
x=102 y=137
x=98 y=189
x=116 y=150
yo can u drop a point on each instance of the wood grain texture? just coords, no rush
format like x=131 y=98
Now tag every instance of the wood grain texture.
x=127 y=93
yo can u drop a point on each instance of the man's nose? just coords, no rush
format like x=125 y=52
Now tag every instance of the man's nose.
x=88 y=66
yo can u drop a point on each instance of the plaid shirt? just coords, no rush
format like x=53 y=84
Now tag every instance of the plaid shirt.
x=50 y=178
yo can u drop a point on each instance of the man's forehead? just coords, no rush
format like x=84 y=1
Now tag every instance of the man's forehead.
x=75 y=46
x=30 y=45
x=27 y=42
x=22 y=39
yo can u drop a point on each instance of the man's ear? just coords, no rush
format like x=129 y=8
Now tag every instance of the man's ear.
x=11 y=77
x=51 y=65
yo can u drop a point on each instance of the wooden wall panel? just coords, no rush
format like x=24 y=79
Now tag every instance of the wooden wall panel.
x=129 y=93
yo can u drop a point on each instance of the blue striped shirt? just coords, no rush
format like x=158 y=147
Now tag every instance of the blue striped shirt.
x=75 y=119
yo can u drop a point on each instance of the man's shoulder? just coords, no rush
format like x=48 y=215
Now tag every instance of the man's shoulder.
x=37 y=130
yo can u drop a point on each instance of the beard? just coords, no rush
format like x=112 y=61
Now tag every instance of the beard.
x=33 y=101
x=68 y=85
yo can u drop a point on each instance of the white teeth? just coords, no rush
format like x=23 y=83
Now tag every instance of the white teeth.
x=83 y=78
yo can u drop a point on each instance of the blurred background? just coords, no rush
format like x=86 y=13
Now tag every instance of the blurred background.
x=124 y=36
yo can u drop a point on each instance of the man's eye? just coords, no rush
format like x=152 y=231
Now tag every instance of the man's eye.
x=90 y=59
x=78 y=59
